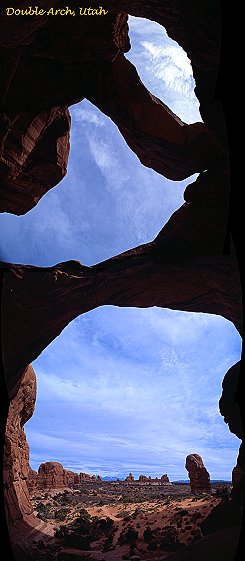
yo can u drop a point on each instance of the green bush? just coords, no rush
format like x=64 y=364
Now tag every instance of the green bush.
x=61 y=514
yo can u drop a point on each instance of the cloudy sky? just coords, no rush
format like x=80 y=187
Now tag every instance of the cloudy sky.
x=124 y=389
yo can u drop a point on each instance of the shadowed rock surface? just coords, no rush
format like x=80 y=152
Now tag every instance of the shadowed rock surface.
x=45 y=300
x=48 y=64
x=198 y=474
x=34 y=152
x=24 y=527
x=68 y=59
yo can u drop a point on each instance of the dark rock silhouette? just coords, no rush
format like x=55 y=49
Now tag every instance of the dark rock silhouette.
x=88 y=62
x=188 y=266
x=198 y=474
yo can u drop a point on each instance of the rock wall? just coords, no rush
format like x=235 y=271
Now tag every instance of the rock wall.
x=34 y=152
x=52 y=475
x=198 y=474
x=87 y=60
x=185 y=267
x=230 y=410
x=16 y=453
x=188 y=266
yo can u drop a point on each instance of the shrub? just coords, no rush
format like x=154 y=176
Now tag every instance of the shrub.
x=44 y=511
x=148 y=534
x=222 y=493
x=61 y=514
x=129 y=536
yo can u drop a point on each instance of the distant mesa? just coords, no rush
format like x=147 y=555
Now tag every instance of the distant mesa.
x=198 y=474
x=52 y=475
x=144 y=479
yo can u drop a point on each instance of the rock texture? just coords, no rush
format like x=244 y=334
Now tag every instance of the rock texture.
x=185 y=267
x=32 y=480
x=52 y=475
x=86 y=60
x=16 y=454
x=23 y=526
x=71 y=477
x=146 y=276
x=49 y=63
x=34 y=152
x=199 y=476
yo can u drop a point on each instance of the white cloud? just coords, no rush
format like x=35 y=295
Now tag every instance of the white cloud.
x=137 y=388
x=84 y=116
x=163 y=67
x=109 y=163
x=170 y=64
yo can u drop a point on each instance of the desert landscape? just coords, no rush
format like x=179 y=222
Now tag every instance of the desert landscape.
x=119 y=520
x=78 y=263
x=136 y=519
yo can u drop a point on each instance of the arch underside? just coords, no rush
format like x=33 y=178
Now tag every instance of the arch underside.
x=189 y=265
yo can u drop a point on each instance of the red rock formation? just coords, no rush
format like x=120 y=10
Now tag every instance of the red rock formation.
x=145 y=479
x=34 y=152
x=32 y=480
x=199 y=476
x=52 y=297
x=129 y=478
x=23 y=526
x=16 y=453
x=51 y=476
x=185 y=268
x=71 y=477
x=165 y=478
x=83 y=477
x=93 y=50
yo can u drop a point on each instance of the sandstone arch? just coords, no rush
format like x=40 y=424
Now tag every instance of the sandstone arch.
x=186 y=267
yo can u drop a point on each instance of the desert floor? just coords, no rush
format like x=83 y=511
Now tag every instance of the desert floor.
x=115 y=521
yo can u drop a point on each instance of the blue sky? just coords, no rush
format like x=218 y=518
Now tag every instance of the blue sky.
x=124 y=389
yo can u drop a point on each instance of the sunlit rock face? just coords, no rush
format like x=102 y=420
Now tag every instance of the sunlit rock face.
x=16 y=453
x=198 y=474
x=52 y=475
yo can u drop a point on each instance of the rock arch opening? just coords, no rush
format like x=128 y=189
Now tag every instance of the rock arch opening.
x=135 y=381
x=188 y=266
